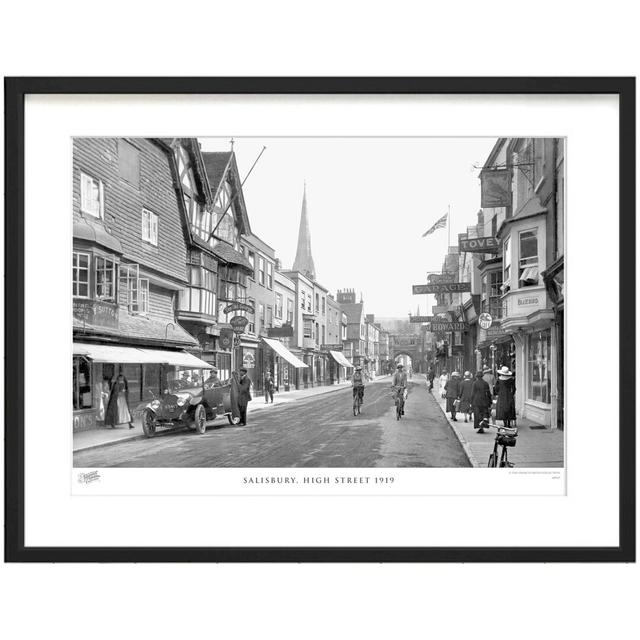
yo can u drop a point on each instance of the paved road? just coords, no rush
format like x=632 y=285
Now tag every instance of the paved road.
x=318 y=431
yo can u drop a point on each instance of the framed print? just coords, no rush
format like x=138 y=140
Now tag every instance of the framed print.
x=320 y=319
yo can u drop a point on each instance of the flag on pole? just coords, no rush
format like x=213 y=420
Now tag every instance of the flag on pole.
x=442 y=222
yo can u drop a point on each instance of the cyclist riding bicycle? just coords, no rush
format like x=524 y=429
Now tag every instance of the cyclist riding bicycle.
x=357 y=382
x=400 y=381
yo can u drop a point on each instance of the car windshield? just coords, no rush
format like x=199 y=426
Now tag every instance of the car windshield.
x=182 y=379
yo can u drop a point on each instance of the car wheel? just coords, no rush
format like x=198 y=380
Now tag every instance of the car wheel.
x=233 y=420
x=149 y=423
x=200 y=419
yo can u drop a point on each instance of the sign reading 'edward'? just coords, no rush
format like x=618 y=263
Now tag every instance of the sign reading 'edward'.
x=448 y=326
x=445 y=287
x=479 y=245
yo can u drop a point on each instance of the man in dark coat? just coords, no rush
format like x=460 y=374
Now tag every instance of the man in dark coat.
x=453 y=391
x=244 y=395
x=480 y=402
x=430 y=376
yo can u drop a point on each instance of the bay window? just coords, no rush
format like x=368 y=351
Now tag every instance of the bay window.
x=506 y=262
x=491 y=293
x=528 y=262
x=80 y=274
x=307 y=329
x=134 y=290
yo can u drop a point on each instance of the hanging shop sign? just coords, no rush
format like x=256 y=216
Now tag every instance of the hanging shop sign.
x=238 y=323
x=420 y=319
x=479 y=245
x=438 y=278
x=248 y=360
x=495 y=186
x=485 y=320
x=285 y=331
x=226 y=339
x=445 y=287
x=448 y=326
x=238 y=306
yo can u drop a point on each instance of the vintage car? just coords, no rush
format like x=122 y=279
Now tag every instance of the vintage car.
x=188 y=400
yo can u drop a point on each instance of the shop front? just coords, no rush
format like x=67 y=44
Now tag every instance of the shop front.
x=529 y=321
x=95 y=366
x=286 y=365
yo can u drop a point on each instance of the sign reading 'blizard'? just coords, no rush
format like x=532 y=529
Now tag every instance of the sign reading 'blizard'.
x=479 y=245
x=448 y=326
x=444 y=287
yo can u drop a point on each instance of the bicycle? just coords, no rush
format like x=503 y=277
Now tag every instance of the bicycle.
x=505 y=438
x=399 y=401
x=357 y=401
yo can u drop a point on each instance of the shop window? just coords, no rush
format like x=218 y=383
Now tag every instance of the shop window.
x=105 y=278
x=82 y=398
x=150 y=227
x=528 y=263
x=539 y=367
x=80 y=274
x=91 y=196
x=129 y=163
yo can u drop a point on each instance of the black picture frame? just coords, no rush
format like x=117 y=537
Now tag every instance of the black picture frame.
x=15 y=91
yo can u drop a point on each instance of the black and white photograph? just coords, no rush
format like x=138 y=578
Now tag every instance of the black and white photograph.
x=318 y=302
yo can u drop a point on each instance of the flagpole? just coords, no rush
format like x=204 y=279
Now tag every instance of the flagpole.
x=448 y=227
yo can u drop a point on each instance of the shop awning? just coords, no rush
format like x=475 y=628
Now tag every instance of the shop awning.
x=340 y=359
x=281 y=350
x=177 y=359
x=131 y=355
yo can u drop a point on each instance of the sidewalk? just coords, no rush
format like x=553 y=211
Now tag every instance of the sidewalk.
x=104 y=436
x=537 y=446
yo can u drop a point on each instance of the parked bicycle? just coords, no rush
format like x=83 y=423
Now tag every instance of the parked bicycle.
x=505 y=438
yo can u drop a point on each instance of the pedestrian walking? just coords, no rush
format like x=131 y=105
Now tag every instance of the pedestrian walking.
x=489 y=378
x=505 y=391
x=430 y=377
x=118 y=408
x=443 y=381
x=453 y=390
x=480 y=402
x=268 y=387
x=244 y=395
x=465 y=395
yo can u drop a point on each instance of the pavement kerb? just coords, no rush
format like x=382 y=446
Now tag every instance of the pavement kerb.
x=168 y=431
x=461 y=438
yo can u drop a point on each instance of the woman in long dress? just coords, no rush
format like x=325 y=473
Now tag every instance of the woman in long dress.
x=118 y=408
x=505 y=391
x=443 y=381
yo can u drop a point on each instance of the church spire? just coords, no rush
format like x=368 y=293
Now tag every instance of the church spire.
x=304 y=260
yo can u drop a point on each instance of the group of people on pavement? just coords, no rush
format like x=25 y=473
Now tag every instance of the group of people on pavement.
x=475 y=397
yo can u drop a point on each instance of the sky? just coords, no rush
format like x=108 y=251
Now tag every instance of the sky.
x=369 y=200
